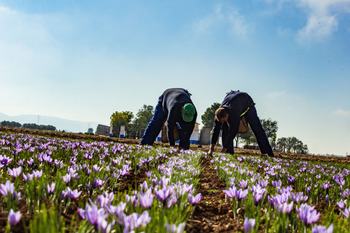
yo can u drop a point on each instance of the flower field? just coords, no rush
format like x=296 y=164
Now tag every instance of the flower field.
x=54 y=184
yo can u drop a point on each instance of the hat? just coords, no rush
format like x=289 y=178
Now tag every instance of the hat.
x=188 y=112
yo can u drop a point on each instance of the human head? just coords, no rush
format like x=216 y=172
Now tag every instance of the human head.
x=221 y=115
x=188 y=112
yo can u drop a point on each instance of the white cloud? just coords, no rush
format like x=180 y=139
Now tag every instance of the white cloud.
x=322 y=18
x=227 y=16
x=342 y=113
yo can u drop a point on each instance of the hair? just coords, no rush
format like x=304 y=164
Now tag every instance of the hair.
x=220 y=113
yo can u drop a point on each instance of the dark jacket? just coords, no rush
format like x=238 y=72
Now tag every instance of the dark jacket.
x=172 y=101
x=235 y=103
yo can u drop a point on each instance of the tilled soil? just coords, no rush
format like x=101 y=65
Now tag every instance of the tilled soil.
x=212 y=213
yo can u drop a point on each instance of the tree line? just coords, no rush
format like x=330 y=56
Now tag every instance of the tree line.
x=135 y=126
x=27 y=125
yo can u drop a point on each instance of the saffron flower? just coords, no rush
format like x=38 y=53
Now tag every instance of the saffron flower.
x=37 y=174
x=240 y=194
x=346 y=212
x=15 y=171
x=308 y=214
x=162 y=194
x=249 y=225
x=284 y=208
x=194 y=199
x=146 y=199
x=135 y=220
x=175 y=229
x=28 y=177
x=243 y=184
x=322 y=229
x=341 y=204
x=7 y=189
x=231 y=192
x=14 y=217
x=51 y=188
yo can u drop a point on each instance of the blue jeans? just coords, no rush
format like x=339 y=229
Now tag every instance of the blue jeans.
x=252 y=118
x=154 y=126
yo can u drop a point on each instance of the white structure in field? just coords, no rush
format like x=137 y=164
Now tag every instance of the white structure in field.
x=122 y=131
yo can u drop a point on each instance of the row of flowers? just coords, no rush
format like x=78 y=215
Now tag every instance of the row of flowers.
x=286 y=195
x=57 y=174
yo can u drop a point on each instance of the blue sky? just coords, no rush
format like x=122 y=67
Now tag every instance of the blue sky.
x=84 y=60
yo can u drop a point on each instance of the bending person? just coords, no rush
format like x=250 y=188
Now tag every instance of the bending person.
x=227 y=118
x=176 y=107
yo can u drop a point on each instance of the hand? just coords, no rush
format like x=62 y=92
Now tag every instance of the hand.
x=211 y=149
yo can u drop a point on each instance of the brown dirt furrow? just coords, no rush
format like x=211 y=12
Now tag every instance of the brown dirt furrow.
x=212 y=213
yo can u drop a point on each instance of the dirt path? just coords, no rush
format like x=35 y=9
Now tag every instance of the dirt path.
x=212 y=213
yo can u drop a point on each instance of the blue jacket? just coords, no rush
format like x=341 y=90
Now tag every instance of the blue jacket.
x=172 y=101
x=235 y=103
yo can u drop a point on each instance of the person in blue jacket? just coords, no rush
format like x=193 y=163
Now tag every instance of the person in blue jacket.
x=227 y=117
x=176 y=107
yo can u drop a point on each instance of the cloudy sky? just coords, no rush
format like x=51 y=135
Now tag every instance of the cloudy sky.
x=84 y=60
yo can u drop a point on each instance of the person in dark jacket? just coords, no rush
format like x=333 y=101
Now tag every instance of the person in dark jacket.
x=227 y=117
x=174 y=106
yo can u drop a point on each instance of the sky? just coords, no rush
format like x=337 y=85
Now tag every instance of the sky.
x=84 y=60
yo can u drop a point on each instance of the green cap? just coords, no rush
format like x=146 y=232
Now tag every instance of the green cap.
x=188 y=112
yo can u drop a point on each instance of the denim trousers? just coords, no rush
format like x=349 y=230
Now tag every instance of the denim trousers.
x=252 y=118
x=155 y=125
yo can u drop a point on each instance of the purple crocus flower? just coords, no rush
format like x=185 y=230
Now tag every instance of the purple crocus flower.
x=341 y=204
x=249 y=225
x=162 y=194
x=322 y=229
x=67 y=178
x=263 y=183
x=231 y=192
x=30 y=162
x=97 y=183
x=72 y=194
x=346 y=212
x=175 y=229
x=14 y=217
x=326 y=185
x=51 y=188
x=7 y=189
x=28 y=177
x=146 y=200
x=308 y=214
x=240 y=194
x=15 y=171
x=284 y=207
x=172 y=200
x=243 y=184
x=92 y=213
x=134 y=220
x=103 y=226
x=257 y=197
x=291 y=179
x=194 y=199
x=38 y=174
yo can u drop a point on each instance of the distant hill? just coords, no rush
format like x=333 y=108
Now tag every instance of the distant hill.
x=59 y=123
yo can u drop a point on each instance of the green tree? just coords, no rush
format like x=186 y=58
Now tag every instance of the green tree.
x=11 y=124
x=209 y=115
x=143 y=117
x=270 y=128
x=282 y=144
x=121 y=118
